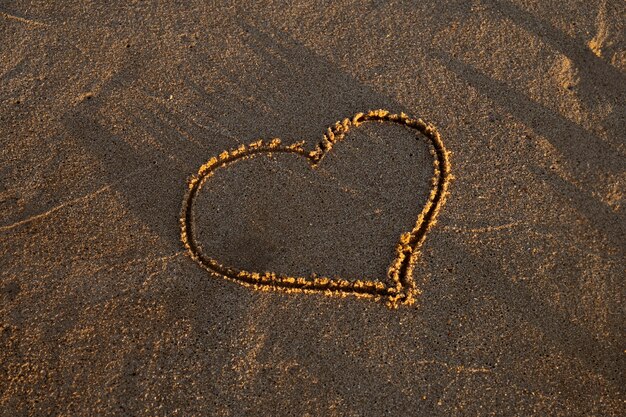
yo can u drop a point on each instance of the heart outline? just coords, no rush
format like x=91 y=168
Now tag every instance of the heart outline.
x=407 y=250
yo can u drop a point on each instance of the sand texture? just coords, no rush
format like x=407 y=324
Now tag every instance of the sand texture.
x=387 y=269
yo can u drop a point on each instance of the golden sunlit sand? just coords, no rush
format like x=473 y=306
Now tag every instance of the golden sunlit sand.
x=112 y=116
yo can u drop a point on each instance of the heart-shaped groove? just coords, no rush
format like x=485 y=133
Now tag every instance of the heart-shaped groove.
x=400 y=272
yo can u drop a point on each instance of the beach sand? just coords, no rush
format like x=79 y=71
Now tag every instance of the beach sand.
x=106 y=112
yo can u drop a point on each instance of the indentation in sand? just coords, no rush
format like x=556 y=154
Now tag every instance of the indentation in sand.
x=602 y=33
x=566 y=73
x=402 y=289
x=608 y=41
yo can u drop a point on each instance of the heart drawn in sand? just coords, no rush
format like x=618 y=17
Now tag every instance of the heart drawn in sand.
x=401 y=288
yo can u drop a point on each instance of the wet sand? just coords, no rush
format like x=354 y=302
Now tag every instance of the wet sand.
x=106 y=112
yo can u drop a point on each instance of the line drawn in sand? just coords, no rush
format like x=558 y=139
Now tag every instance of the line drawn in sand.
x=402 y=289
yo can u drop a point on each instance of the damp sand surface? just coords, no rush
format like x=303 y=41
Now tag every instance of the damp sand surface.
x=106 y=112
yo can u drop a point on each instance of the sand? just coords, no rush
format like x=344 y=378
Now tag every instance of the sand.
x=107 y=111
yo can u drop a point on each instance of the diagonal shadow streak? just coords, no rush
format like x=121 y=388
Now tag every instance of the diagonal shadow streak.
x=290 y=76
x=570 y=337
x=560 y=131
x=598 y=214
x=598 y=77
x=563 y=135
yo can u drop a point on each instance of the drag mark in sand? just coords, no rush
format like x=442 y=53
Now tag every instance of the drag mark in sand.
x=485 y=229
x=32 y=22
x=73 y=201
x=403 y=289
